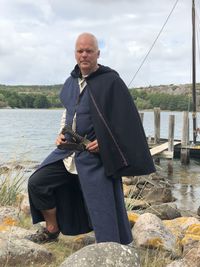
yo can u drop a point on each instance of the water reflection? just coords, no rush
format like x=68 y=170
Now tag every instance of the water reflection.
x=185 y=182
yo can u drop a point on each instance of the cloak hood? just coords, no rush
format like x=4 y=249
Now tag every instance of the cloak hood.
x=76 y=73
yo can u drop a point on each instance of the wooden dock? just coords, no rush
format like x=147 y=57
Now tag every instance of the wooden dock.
x=157 y=149
x=165 y=149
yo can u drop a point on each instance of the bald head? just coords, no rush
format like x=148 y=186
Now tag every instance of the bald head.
x=87 y=37
x=87 y=53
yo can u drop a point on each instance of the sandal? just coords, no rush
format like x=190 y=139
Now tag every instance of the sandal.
x=43 y=236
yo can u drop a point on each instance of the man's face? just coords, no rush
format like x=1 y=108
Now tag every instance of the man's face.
x=86 y=54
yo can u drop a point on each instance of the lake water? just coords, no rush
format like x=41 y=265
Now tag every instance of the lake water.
x=28 y=135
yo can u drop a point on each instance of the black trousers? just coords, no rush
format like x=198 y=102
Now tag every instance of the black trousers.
x=53 y=186
x=92 y=201
x=42 y=184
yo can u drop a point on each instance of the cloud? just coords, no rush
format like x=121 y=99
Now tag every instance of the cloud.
x=37 y=39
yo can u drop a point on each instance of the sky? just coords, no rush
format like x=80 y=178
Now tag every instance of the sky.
x=37 y=39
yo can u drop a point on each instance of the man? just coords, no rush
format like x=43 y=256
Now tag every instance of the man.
x=76 y=191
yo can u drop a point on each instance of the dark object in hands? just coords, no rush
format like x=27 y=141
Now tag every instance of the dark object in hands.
x=79 y=143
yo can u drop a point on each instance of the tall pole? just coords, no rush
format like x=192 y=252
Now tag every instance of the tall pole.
x=194 y=72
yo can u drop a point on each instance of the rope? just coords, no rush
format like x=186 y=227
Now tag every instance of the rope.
x=153 y=44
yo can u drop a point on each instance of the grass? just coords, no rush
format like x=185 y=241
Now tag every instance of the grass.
x=154 y=258
x=11 y=185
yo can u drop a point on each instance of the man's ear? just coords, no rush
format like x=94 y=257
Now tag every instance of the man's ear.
x=98 y=53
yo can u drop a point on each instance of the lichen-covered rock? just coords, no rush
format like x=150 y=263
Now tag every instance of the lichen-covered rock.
x=178 y=226
x=14 y=231
x=191 y=237
x=15 y=251
x=150 y=232
x=133 y=217
x=9 y=215
x=103 y=255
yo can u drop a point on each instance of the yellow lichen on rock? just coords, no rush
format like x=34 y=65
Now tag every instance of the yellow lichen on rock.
x=191 y=234
x=9 y=221
x=180 y=225
x=154 y=243
x=79 y=238
x=4 y=227
x=174 y=228
x=193 y=229
x=133 y=217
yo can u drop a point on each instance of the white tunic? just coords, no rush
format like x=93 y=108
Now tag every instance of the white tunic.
x=69 y=162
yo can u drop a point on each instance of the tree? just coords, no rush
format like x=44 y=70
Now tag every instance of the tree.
x=41 y=101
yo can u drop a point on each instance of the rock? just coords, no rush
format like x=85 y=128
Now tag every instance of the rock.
x=191 y=237
x=9 y=215
x=198 y=211
x=150 y=232
x=4 y=169
x=15 y=251
x=164 y=211
x=135 y=204
x=133 y=217
x=127 y=180
x=178 y=226
x=103 y=255
x=14 y=231
x=191 y=259
x=179 y=263
x=18 y=167
x=24 y=204
x=80 y=241
x=130 y=191
x=157 y=195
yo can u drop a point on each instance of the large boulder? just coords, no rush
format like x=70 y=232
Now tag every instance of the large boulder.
x=107 y=254
x=16 y=251
x=150 y=232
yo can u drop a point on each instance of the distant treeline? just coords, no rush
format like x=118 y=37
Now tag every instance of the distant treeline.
x=144 y=100
x=48 y=97
x=30 y=96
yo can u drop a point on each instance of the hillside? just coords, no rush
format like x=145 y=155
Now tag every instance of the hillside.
x=172 y=89
x=168 y=97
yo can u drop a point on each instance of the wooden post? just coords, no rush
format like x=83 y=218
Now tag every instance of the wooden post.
x=171 y=143
x=157 y=129
x=185 y=151
x=156 y=125
x=141 y=117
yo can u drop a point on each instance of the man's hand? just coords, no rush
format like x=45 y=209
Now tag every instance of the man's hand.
x=60 y=140
x=93 y=146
